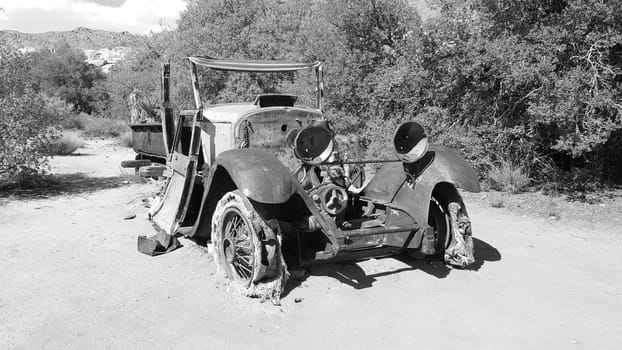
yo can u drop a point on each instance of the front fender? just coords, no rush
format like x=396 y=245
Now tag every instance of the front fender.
x=258 y=174
x=443 y=170
x=261 y=177
x=446 y=167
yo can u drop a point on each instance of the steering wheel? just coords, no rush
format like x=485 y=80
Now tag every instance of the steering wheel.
x=334 y=199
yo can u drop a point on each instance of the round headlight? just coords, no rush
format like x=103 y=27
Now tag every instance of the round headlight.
x=313 y=145
x=410 y=142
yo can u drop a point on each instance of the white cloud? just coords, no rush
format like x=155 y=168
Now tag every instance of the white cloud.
x=47 y=5
x=137 y=16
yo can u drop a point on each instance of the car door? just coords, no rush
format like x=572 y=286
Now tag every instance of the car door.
x=183 y=161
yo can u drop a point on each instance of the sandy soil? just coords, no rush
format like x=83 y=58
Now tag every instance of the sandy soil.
x=73 y=279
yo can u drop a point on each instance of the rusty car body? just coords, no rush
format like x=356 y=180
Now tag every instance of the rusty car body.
x=228 y=183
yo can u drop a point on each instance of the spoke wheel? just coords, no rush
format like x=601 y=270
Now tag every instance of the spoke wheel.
x=237 y=246
x=247 y=248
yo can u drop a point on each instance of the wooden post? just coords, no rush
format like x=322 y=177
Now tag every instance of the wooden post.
x=168 y=124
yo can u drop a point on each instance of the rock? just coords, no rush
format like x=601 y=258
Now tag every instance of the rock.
x=98 y=62
x=129 y=216
x=298 y=300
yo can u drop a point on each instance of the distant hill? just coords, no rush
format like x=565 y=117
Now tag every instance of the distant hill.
x=83 y=38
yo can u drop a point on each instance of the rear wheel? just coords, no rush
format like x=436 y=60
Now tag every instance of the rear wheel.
x=247 y=248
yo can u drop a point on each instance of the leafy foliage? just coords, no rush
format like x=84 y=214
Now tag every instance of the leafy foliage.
x=531 y=84
x=508 y=177
x=26 y=126
x=63 y=73
x=26 y=132
x=102 y=127
x=535 y=84
x=133 y=82
x=523 y=82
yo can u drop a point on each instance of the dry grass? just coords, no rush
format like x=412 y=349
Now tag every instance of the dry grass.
x=508 y=177
x=552 y=211
x=67 y=144
x=496 y=200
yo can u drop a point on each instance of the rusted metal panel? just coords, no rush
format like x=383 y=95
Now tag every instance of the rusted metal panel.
x=393 y=185
x=207 y=142
x=164 y=213
x=448 y=166
x=147 y=139
x=386 y=183
x=179 y=163
x=191 y=170
x=259 y=175
x=271 y=127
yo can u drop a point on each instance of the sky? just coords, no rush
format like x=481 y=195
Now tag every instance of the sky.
x=134 y=16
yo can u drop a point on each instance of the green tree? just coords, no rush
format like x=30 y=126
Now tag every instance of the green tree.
x=26 y=127
x=522 y=81
x=63 y=72
x=135 y=80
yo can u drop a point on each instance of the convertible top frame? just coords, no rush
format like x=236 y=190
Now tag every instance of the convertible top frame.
x=249 y=66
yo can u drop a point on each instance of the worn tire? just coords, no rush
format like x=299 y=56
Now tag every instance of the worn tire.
x=247 y=248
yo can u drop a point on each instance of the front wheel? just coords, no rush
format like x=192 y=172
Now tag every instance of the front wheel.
x=247 y=248
x=452 y=240
x=438 y=218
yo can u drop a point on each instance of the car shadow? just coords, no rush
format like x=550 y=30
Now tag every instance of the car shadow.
x=353 y=275
x=48 y=186
x=484 y=252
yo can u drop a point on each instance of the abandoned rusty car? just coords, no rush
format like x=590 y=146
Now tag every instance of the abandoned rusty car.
x=229 y=180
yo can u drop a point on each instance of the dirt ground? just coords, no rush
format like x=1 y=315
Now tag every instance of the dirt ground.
x=71 y=278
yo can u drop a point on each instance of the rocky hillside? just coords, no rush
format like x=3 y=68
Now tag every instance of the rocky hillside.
x=106 y=58
x=102 y=48
x=83 y=38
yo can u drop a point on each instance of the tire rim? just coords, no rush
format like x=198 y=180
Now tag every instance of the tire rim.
x=237 y=245
x=438 y=221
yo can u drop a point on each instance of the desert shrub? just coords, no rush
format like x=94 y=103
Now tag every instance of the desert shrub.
x=26 y=133
x=68 y=143
x=65 y=116
x=496 y=200
x=63 y=72
x=95 y=126
x=26 y=127
x=508 y=177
